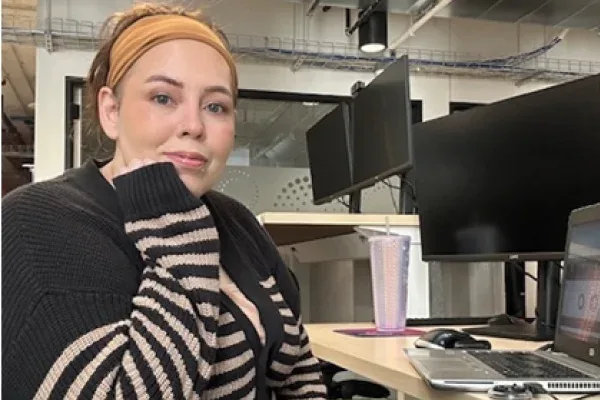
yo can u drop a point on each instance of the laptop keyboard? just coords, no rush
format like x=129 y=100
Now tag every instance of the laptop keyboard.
x=525 y=365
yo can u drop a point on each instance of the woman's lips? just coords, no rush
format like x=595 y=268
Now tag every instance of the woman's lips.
x=187 y=159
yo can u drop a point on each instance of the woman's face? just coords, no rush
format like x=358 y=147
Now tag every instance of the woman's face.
x=175 y=104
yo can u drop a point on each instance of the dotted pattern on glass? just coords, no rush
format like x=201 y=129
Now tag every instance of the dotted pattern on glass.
x=296 y=195
x=237 y=183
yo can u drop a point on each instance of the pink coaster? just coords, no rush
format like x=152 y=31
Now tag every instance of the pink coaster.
x=372 y=332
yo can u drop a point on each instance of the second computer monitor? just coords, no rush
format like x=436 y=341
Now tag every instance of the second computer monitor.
x=328 y=147
x=382 y=137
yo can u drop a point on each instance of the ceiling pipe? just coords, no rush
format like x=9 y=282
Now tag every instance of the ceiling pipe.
x=312 y=7
x=419 y=23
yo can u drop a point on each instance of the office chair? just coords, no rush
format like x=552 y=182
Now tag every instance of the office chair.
x=349 y=388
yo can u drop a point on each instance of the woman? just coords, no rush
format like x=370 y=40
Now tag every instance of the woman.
x=130 y=278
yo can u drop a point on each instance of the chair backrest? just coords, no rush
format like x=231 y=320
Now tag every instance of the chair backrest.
x=294 y=278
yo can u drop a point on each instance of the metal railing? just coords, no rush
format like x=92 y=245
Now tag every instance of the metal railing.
x=64 y=34
x=17 y=150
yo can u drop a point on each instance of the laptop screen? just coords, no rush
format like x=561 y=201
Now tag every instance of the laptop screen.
x=578 y=330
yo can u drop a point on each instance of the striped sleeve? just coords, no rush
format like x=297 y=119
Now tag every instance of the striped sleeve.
x=174 y=232
x=149 y=350
x=165 y=346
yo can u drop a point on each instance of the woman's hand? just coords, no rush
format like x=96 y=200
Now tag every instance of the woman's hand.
x=162 y=217
x=149 y=188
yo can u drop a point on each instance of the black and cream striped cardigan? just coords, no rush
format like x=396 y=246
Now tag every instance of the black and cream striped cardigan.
x=84 y=316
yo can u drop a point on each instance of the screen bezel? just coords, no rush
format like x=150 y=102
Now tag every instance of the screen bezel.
x=493 y=257
x=563 y=343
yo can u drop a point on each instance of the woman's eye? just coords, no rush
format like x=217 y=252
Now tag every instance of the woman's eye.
x=215 y=108
x=162 y=99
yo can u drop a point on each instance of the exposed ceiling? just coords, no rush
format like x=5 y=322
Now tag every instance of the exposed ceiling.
x=18 y=66
x=583 y=14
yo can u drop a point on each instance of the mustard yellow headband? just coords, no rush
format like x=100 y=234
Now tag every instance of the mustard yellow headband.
x=153 y=30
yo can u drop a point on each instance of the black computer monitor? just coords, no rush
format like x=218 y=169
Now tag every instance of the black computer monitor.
x=328 y=147
x=382 y=135
x=498 y=182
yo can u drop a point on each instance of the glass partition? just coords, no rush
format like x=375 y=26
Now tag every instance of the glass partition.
x=270 y=127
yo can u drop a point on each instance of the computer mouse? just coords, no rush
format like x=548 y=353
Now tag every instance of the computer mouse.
x=446 y=338
x=505 y=319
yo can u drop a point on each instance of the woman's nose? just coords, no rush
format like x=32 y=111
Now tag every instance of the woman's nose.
x=194 y=125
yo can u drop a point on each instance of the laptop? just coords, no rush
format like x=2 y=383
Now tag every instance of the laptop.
x=574 y=364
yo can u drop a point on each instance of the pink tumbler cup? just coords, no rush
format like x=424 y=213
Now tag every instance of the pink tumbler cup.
x=389 y=256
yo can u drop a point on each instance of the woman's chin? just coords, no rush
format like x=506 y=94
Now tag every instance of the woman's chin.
x=195 y=184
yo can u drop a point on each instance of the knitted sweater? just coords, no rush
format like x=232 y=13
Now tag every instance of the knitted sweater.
x=113 y=293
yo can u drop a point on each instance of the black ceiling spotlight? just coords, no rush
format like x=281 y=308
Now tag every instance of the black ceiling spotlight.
x=373 y=32
x=371 y=25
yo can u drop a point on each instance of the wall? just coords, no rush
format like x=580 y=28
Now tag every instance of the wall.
x=277 y=18
x=49 y=142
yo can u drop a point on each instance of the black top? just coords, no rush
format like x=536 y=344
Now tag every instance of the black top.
x=114 y=293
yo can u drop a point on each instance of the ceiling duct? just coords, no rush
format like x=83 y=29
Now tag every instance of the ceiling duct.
x=426 y=16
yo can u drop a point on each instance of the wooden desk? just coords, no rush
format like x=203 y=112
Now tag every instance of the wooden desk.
x=298 y=227
x=383 y=359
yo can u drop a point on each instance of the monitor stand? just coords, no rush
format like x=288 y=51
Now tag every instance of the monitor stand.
x=533 y=332
x=514 y=288
x=355 y=200
x=407 y=197
x=548 y=295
